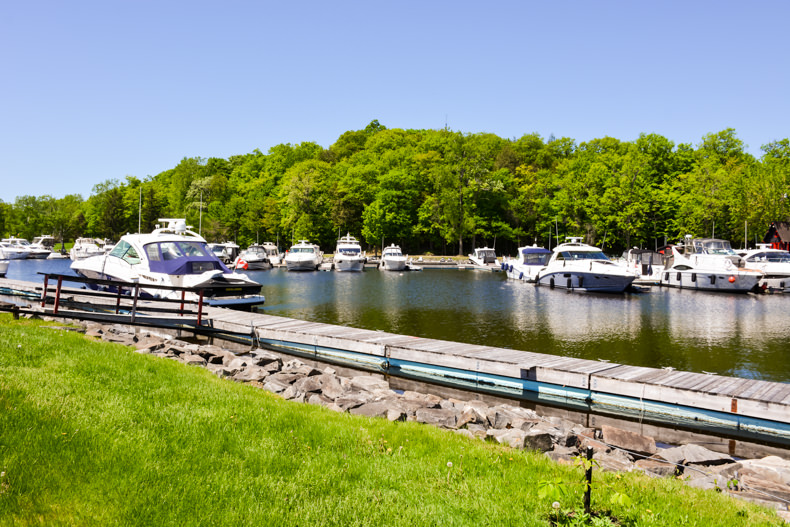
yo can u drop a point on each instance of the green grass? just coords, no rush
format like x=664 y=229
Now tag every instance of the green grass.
x=95 y=434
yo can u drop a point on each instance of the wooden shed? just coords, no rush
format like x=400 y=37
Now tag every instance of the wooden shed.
x=778 y=235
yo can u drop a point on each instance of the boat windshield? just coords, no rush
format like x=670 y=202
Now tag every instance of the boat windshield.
x=308 y=250
x=713 y=247
x=536 y=258
x=180 y=257
x=392 y=252
x=351 y=251
x=770 y=257
x=126 y=252
x=581 y=255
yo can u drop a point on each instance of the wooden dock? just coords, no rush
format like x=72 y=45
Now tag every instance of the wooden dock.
x=747 y=408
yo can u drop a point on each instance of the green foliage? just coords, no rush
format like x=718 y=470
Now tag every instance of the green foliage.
x=430 y=190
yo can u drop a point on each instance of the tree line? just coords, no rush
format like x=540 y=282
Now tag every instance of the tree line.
x=443 y=192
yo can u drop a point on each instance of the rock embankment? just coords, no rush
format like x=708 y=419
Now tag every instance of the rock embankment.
x=765 y=481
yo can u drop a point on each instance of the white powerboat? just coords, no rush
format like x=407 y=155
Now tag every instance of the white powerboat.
x=86 y=247
x=33 y=252
x=3 y=263
x=349 y=256
x=648 y=265
x=529 y=263
x=47 y=243
x=774 y=263
x=13 y=251
x=581 y=267
x=708 y=264
x=253 y=258
x=484 y=256
x=304 y=256
x=172 y=256
x=392 y=259
x=273 y=253
x=226 y=252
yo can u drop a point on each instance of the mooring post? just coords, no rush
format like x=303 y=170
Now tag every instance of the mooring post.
x=57 y=295
x=200 y=309
x=588 y=480
x=44 y=292
x=181 y=311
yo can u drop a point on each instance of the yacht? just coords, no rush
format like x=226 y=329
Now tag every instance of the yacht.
x=33 y=252
x=13 y=251
x=3 y=263
x=392 y=259
x=484 y=256
x=175 y=256
x=47 y=243
x=304 y=256
x=86 y=247
x=349 y=256
x=577 y=266
x=273 y=253
x=529 y=263
x=226 y=252
x=253 y=258
x=708 y=264
x=774 y=263
x=647 y=264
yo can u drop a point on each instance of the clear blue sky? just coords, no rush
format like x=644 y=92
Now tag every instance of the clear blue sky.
x=99 y=90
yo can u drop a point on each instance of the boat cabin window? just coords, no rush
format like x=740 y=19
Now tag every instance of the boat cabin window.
x=581 y=255
x=536 y=258
x=307 y=250
x=771 y=257
x=352 y=251
x=126 y=252
x=393 y=252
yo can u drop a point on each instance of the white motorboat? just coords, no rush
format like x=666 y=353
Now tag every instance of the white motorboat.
x=349 y=256
x=392 y=259
x=708 y=264
x=33 y=252
x=172 y=256
x=3 y=263
x=47 y=243
x=529 y=263
x=484 y=256
x=577 y=266
x=273 y=253
x=86 y=247
x=226 y=252
x=304 y=256
x=648 y=265
x=13 y=251
x=774 y=263
x=253 y=258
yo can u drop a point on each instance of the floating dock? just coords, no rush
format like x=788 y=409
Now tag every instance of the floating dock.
x=744 y=408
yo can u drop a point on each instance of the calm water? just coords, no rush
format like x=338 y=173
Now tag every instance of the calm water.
x=743 y=335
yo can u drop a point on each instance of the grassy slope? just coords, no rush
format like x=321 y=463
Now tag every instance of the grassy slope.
x=95 y=434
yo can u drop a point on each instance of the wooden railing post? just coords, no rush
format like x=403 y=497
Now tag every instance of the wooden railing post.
x=200 y=309
x=57 y=295
x=44 y=292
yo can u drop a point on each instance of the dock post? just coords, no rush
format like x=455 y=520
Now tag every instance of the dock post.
x=200 y=309
x=136 y=296
x=57 y=295
x=44 y=292
x=181 y=311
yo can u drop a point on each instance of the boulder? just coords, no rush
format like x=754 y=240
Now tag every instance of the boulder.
x=251 y=374
x=655 y=466
x=440 y=417
x=192 y=360
x=368 y=383
x=380 y=409
x=512 y=437
x=308 y=384
x=285 y=377
x=331 y=386
x=538 y=439
x=351 y=400
x=614 y=461
x=262 y=357
x=275 y=385
x=699 y=455
x=628 y=440
x=771 y=468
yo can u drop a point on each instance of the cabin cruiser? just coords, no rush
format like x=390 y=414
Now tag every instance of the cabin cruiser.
x=647 y=264
x=708 y=264
x=484 y=256
x=273 y=253
x=47 y=243
x=226 y=252
x=392 y=259
x=304 y=256
x=87 y=247
x=32 y=252
x=577 y=266
x=349 y=256
x=253 y=258
x=13 y=251
x=3 y=263
x=172 y=256
x=529 y=263
x=774 y=263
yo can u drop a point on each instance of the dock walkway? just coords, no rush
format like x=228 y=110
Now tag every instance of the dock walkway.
x=745 y=407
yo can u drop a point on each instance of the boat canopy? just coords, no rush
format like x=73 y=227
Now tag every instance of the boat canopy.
x=176 y=257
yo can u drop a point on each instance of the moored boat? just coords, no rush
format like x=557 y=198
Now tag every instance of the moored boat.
x=528 y=264
x=253 y=258
x=3 y=263
x=13 y=252
x=174 y=256
x=349 y=255
x=646 y=264
x=304 y=256
x=774 y=263
x=580 y=267
x=392 y=259
x=273 y=253
x=86 y=247
x=708 y=264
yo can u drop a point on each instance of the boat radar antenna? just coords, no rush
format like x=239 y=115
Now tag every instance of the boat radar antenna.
x=177 y=225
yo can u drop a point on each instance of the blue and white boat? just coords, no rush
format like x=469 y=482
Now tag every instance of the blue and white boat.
x=172 y=256
x=528 y=264
x=580 y=267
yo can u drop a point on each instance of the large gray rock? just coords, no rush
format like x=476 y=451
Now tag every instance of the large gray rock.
x=193 y=360
x=331 y=386
x=263 y=357
x=512 y=437
x=380 y=409
x=298 y=367
x=309 y=384
x=771 y=468
x=656 y=467
x=696 y=454
x=251 y=374
x=369 y=384
x=628 y=440
x=538 y=439
x=285 y=377
x=352 y=400
x=275 y=385
x=440 y=417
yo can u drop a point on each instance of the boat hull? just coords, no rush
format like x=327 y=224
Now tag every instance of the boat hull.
x=393 y=264
x=3 y=268
x=586 y=281
x=722 y=281
x=525 y=273
x=349 y=264
x=301 y=265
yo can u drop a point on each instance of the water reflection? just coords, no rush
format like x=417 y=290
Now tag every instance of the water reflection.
x=742 y=335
